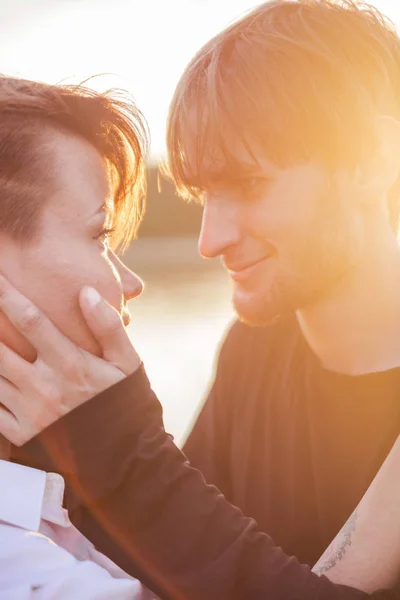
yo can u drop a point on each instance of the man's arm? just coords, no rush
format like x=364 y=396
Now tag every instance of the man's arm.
x=337 y=549
x=363 y=551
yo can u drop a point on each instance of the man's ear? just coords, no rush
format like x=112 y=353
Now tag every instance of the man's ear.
x=378 y=173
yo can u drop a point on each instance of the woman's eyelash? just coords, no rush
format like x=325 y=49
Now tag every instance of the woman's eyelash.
x=104 y=233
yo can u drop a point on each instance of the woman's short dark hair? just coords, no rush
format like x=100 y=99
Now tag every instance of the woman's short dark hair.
x=109 y=121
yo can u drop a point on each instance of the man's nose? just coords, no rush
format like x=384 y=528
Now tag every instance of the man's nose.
x=219 y=229
x=132 y=285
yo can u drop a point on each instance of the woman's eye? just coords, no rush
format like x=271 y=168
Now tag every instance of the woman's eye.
x=104 y=234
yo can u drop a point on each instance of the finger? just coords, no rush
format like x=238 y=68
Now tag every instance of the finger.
x=9 y=427
x=10 y=397
x=14 y=368
x=106 y=326
x=49 y=342
x=21 y=383
x=32 y=411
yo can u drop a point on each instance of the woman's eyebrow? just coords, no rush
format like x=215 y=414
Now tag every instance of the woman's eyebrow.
x=105 y=207
x=101 y=208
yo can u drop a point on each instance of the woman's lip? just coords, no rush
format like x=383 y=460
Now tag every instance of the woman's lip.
x=241 y=274
x=126 y=318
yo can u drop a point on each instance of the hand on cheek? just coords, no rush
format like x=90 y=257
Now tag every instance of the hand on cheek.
x=14 y=339
x=63 y=376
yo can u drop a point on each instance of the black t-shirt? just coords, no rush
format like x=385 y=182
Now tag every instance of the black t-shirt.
x=295 y=446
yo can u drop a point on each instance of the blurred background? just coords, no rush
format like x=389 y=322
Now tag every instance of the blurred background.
x=143 y=46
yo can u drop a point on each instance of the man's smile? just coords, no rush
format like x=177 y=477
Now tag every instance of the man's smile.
x=241 y=271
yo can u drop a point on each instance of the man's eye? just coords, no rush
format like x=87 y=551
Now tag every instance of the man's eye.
x=104 y=234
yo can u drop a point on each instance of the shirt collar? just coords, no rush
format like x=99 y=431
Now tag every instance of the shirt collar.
x=30 y=495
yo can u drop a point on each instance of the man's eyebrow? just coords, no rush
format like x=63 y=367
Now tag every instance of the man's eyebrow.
x=236 y=175
x=238 y=169
x=228 y=173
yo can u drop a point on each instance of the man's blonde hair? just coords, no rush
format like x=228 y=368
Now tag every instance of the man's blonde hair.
x=299 y=79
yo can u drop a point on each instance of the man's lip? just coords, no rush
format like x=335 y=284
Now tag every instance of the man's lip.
x=240 y=272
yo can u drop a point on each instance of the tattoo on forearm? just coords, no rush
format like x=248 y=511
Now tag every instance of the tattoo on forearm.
x=338 y=548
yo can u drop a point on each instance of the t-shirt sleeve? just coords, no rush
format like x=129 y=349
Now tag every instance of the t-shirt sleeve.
x=139 y=486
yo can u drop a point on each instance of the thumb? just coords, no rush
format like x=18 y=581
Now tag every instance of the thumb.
x=107 y=328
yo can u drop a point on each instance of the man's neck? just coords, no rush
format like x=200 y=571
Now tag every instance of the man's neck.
x=356 y=330
x=5 y=448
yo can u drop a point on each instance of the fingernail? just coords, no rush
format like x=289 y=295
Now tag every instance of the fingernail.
x=92 y=296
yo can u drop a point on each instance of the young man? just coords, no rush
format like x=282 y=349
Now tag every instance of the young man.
x=71 y=168
x=286 y=125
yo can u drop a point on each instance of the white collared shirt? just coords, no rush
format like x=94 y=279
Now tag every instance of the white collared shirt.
x=42 y=555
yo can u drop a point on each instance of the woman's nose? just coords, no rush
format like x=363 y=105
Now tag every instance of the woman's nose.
x=132 y=285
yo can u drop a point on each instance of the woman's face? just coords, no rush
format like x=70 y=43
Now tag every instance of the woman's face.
x=70 y=250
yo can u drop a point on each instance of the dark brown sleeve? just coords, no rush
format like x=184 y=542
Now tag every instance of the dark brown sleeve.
x=141 y=490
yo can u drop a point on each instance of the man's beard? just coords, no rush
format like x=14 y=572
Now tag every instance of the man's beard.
x=286 y=296
x=317 y=267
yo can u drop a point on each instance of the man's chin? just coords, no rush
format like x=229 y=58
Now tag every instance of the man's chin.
x=255 y=313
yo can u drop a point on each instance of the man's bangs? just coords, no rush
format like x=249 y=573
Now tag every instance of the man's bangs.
x=241 y=102
x=256 y=88
x=220 y=135
x=204 y=151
